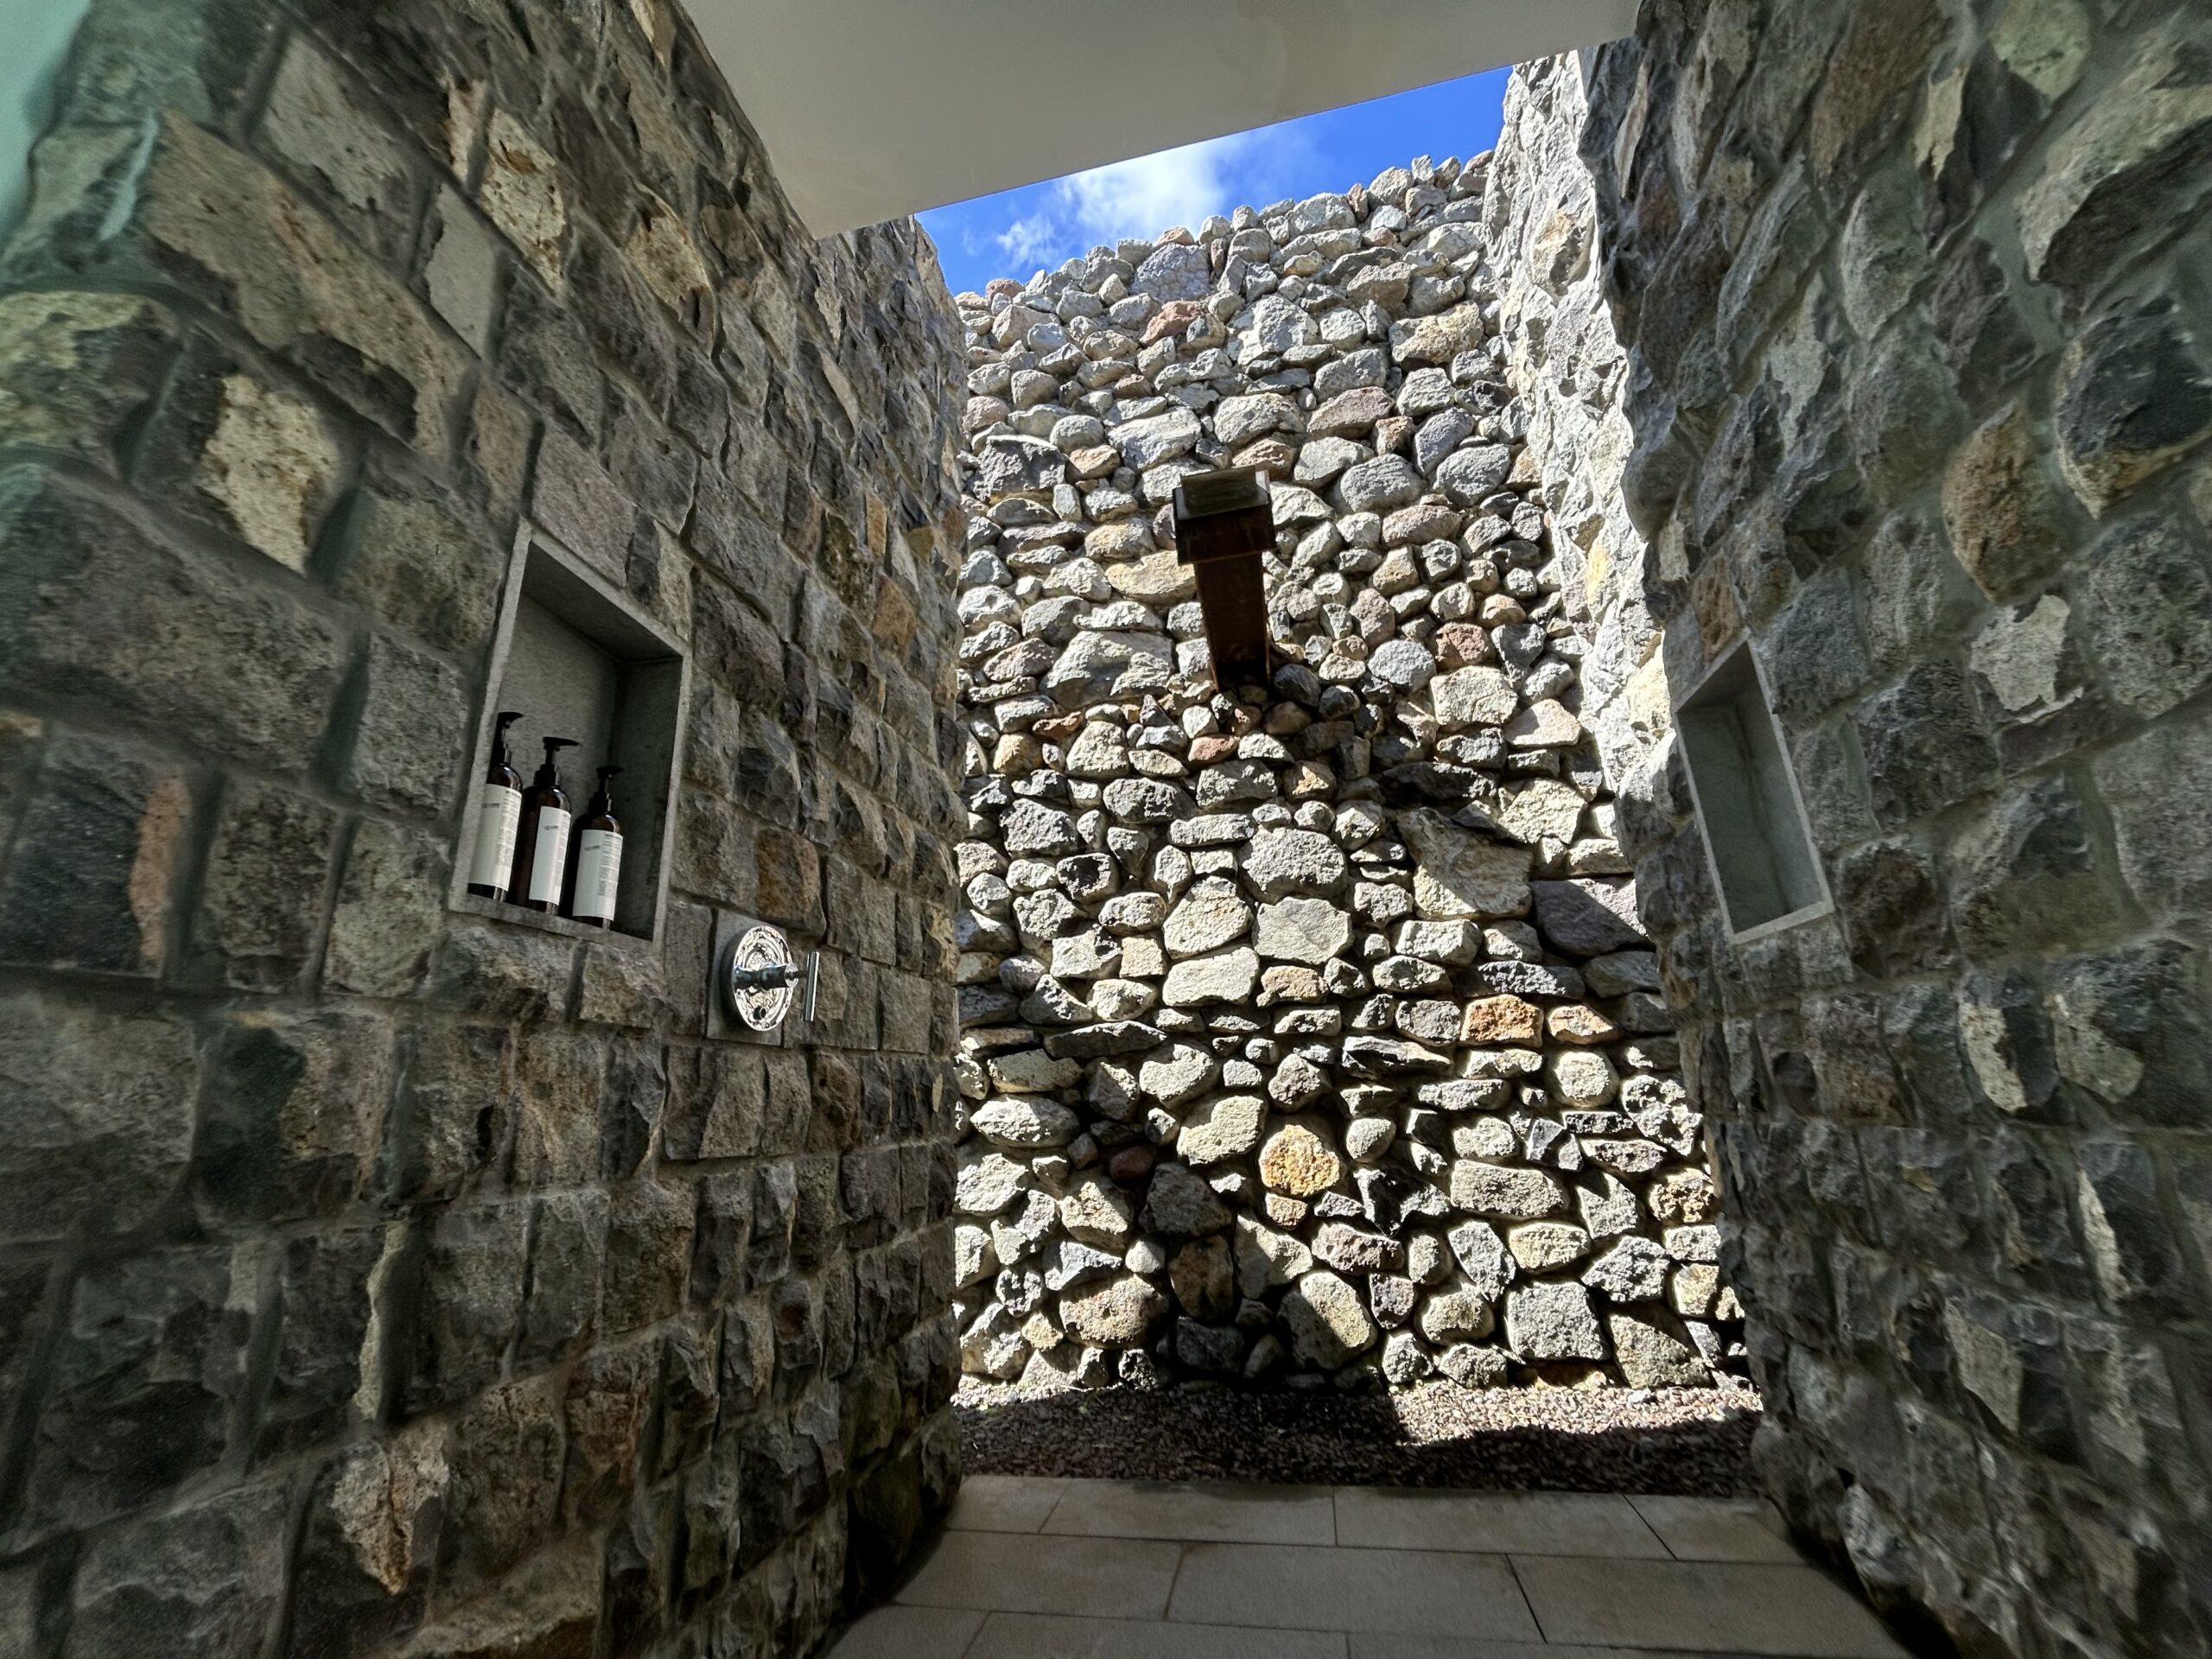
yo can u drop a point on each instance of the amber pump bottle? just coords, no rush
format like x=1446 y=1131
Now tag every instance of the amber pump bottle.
x=595 y=866
x=541 y=845
x=499 y=816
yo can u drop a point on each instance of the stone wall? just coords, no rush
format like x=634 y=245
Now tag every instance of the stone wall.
x=377 y=1277
x=1566 y=364
x=1920 y=384
x=1308 y=1031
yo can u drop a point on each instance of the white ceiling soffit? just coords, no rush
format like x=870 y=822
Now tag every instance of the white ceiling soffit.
x=872 y=109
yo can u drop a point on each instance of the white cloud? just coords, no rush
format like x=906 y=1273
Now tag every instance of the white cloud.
x=1144 y=196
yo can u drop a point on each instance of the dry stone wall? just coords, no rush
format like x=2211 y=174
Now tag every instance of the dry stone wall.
x=377 y=1278
x=1308 y=1030
x=1568 y=369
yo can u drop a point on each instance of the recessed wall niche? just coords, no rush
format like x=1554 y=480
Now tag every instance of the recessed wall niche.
x=577 y=660
x=1756 y=835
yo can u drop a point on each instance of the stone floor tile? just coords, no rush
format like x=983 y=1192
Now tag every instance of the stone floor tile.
x=1292 y=1587
x=1550 y=1523
x=1004 y=1503
x=1700 y=1606
x=1090 y=1577
x=910 y=1633
x=1210 y=1512
x=1455 y=1647
x=1718 y=1528
x=1026 y=1636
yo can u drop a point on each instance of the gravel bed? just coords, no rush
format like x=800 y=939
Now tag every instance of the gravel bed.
x=1693 y=1442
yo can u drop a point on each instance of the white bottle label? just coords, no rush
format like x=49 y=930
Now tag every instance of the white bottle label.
x=499 y=815
x=599 y=870
x=550 y=858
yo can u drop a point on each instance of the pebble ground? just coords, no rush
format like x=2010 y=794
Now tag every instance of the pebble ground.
x=1691 y=1442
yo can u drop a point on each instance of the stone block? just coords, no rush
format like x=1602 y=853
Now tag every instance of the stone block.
x=92 y=880
x=455 y=1108
x=1328 y=1322
x=318 y=1383
x=212 y=219
x=2134 y=395
x=412 y=737
x=250 y=672
x=261 y=890
x=1551 y=1321
x=209 y=1578
x=294 y=1116
x=2132 y=1252
x=318 y=126
x=560 y=1079
x=148 y=1371
x=1924 y=744
x=460 y=270
x=2146 y=610
x=1502 y=1192
x=463 y=1284
x=368 y=1544
x=2157 y=789
x=502 y=1496
x=1893 y=908
x=78 y=370
x=2128 y=1029
x=631 y=1104
x=2134 y=162
x=573 y=497
x=648 y=1247
x=499 y=973
x=609 y=295
x=1854 y=114
x=101 y=1116
x=2026 y=873
x=521 y=194
x=2006 y=519
x=408 y=556
x=568 y=1261
x=548 y=362
x=391 y=904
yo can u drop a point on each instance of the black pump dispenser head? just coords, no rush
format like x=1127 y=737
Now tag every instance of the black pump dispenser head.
x=507 y=717
x=602 y=799
x=550 y=771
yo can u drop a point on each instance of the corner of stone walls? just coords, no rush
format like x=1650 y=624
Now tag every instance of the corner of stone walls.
x=1309 y=1035
x=378 y=1277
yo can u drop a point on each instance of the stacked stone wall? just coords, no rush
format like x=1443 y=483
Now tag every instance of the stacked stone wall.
x=377 y=1278
x=1919 y=392
x=1309 y=1032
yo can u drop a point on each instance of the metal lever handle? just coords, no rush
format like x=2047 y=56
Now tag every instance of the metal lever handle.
x=773 y=977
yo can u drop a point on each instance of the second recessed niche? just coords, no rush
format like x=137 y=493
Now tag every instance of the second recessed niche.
x=1755 y=829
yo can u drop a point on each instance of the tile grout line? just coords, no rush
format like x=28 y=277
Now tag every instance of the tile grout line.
x=1175 y=1580
x=1059 y=1498
x=1664 y=1543
x=1527 y=1601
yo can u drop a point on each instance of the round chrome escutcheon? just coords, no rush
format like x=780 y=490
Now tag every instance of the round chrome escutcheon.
x=758 y=977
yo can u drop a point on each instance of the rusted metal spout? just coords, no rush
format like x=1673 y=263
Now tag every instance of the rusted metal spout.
x=1222 y=524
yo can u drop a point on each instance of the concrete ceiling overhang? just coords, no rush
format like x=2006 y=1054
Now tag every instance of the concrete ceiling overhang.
x=872 y=109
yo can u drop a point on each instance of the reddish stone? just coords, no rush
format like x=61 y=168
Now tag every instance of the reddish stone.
x=1132 y=1164
x=1171 y=318
x=1461 y=644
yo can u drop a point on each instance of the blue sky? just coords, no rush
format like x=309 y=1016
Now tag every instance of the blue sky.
x=1017 y=232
